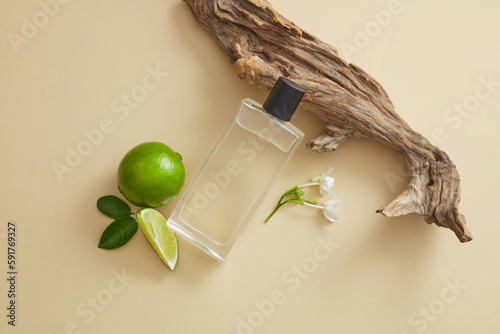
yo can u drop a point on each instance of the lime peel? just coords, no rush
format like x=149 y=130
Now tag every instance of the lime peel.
x=150 y=175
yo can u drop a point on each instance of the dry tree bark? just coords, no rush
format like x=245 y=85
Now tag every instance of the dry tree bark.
x=263 y=45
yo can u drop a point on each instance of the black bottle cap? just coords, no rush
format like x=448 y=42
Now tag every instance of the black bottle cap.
x=283 y=99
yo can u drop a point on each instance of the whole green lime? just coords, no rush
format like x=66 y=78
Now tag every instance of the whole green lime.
x=151 y=175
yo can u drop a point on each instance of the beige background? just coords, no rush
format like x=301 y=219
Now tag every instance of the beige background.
x=390 y=276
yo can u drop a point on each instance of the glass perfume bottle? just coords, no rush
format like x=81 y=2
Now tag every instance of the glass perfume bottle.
x=247 y=157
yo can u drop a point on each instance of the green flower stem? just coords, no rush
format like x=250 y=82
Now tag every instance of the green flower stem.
x=297 y=198
x=274 y=211
x=294 y=195
x=289 y=192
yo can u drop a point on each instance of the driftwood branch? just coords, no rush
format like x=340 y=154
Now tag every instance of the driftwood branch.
x=263 y=45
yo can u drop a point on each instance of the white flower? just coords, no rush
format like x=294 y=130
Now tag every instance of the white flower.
x=329 y=207
x=326 y=183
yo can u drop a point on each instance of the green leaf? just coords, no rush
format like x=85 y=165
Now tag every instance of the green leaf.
x=118 y=233
x=113 y=207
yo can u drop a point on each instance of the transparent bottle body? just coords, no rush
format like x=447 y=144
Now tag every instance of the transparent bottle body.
x=247 y=157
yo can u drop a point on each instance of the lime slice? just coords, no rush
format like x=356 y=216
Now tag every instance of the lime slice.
x=154 y=226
